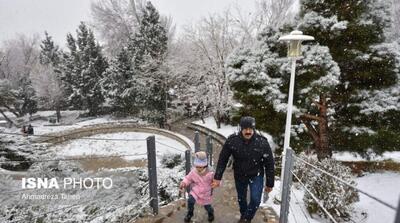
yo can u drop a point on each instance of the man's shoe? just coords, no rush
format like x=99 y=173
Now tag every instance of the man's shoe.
x=188 y=217
x=210 y=217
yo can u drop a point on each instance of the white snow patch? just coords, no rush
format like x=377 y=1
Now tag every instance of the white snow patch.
x=87 y=147
x=351 y=156
x=382 y=185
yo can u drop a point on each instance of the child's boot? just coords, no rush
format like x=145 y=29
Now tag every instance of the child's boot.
x=210 y=217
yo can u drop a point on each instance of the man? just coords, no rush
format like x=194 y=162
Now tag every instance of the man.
x=252 y=159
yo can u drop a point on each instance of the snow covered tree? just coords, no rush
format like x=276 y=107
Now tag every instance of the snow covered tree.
x=122 y=85
x=212 y=39
x=46 y=77
x=118 y=20
x=82 y=70
x=336 y=198
x=135 y=82
x=395 y=29
x=259 y=77
x=273 y=13
x=7 y=98
x=50 y=53
x=148 y=48
x=354 y=32
x=26 y=95
x=151 y=38
x=20 y=55
x=48 y=86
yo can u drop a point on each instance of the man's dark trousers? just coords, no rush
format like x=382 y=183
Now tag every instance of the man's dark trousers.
x=248 y=210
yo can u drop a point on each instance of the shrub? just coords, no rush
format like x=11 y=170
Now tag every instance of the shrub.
x=171 y=160
x=336 y=197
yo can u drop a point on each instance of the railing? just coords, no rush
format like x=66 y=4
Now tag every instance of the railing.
x=287 y=183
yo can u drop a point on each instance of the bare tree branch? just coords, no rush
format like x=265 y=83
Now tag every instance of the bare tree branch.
x=313 y=132
x=310 y=117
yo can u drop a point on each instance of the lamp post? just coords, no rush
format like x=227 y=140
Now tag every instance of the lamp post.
x=294 y=40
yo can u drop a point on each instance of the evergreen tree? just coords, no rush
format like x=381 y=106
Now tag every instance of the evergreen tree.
x=122 y=87
x=148 y=48
x=354 y=32
x=151 y=39
x=50 y=53
x=82 y=70
x=50 y=57
x=260 y=75
x=26 y=102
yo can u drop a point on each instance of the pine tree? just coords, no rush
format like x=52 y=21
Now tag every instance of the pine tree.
x=260 y=80
x=148 y=48
x=82 y=70
x=354 y=32
x=122 y=87
x=50 y=57
x=50 y=53
x=26 y=102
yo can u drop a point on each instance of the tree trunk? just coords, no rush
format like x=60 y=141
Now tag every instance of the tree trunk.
x=58 y=114
x=323 y=149
x=320 y=134
x=8 y=120
x=217 y=118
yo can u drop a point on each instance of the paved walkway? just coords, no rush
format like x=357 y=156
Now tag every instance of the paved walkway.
x=225 y=199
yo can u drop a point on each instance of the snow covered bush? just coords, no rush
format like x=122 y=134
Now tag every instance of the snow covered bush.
x=127 y=200
x=171 y=160
x=335 y=197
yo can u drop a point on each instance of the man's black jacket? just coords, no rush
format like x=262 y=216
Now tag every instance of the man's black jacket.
x=252 y=157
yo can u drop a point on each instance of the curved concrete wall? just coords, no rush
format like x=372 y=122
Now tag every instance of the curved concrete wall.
x=215 y=135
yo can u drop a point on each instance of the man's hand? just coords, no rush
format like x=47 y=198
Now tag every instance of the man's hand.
x=215 y=183
x=182 y=186
x=268 y=189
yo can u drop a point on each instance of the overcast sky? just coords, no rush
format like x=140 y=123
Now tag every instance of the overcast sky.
x=59 y=17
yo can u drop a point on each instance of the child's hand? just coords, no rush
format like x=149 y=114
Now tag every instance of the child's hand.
x=182 y=185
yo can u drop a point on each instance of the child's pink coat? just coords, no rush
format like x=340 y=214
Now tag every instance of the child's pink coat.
x=200 y=186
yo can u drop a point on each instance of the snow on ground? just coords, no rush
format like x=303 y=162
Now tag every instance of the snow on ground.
x=46 y=129
x=137 y=145
x=227 y=130
x=350 y=156
x=383 y=185
x=297 y=211
x=69 y=120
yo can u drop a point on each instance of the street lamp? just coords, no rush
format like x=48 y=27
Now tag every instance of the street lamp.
x=294 y=40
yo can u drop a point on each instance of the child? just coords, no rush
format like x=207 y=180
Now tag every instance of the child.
x=199 y=180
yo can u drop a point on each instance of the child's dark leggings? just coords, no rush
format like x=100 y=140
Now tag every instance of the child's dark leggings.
x=192 y=201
